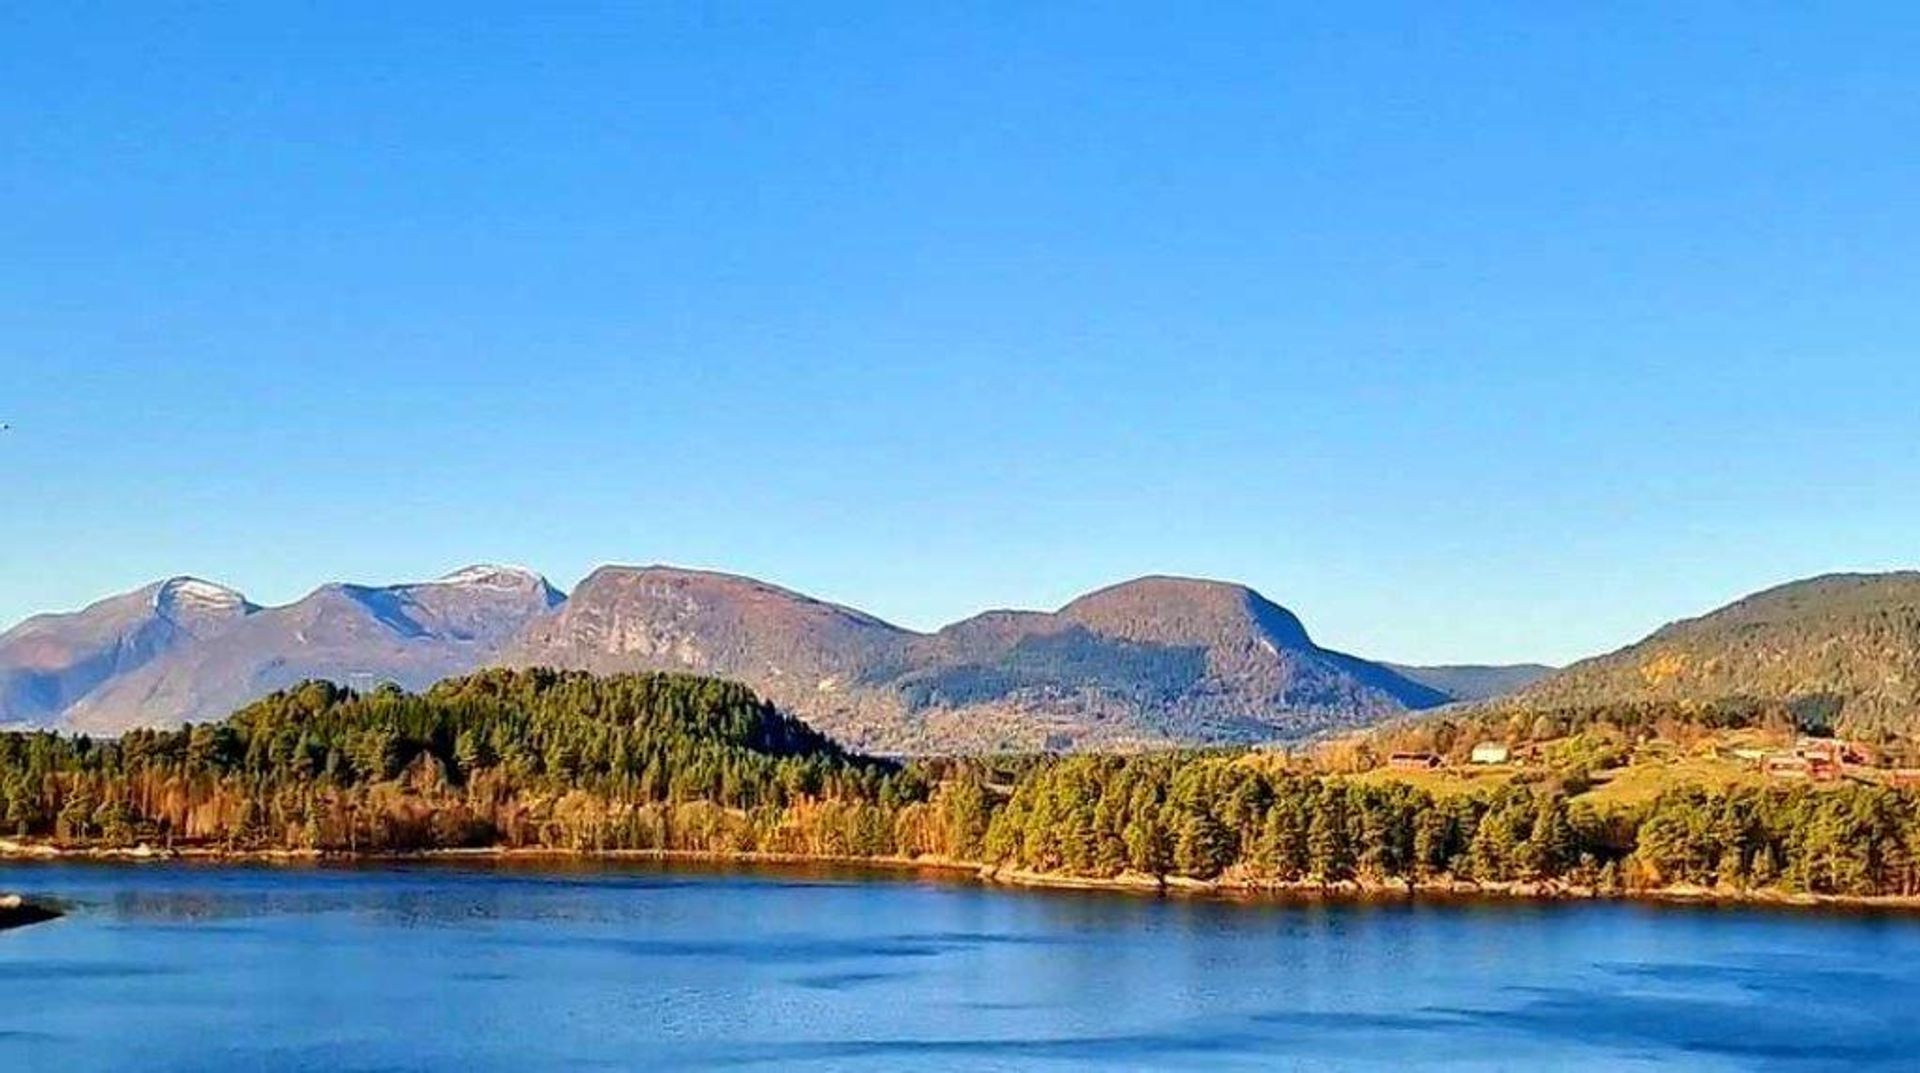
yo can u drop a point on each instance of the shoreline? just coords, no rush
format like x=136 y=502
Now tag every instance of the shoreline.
x=1226 y=888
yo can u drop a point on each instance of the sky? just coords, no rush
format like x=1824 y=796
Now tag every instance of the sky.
x=1492 y=335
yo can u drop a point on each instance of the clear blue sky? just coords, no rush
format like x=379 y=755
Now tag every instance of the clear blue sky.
x=1496 y=336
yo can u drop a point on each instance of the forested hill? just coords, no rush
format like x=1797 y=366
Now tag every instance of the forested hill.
x=323 y=766
x=1843 y=648
x=564 y=761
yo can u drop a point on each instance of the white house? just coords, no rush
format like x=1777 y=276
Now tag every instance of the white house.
x=1489 y=752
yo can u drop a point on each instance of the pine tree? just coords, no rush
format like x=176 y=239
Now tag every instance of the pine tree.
x=1330 y=852
x=1203 y=848
x=1147 y=846
x=1554 y=846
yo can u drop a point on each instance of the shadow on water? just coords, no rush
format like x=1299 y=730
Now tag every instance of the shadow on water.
x=843 y=981
x=1643 y=1025
x=36 y=972
x=1775 y=977
x=784 y=948
x=1773 y=1025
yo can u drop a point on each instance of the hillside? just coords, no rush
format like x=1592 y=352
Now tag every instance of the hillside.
x=50 y=662
x=1842 y=649
x=1150 y=661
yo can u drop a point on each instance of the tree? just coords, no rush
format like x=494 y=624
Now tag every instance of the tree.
x=472 y=751
x=1147 y=849
x=1203 y=849
x=1490 y=854
x=114 y=821
x=76 y=816
x=1330 y=853
x=963 y=810
x=1282 y=848
x=1554 y=847
x=1433 y=842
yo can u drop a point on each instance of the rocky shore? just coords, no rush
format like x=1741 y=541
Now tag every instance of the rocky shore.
x=18 y=912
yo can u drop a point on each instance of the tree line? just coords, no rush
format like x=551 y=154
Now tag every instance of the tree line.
x=1236 y=816
x=1514 y=722
x=566 y=760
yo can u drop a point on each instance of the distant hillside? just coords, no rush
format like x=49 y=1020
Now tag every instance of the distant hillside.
x=1845 y=644
x=1475 y=681
x=1153 y=661
x=49 y=663
x=189 y=650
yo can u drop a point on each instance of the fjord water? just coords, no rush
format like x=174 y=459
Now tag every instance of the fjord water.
x=178 y=967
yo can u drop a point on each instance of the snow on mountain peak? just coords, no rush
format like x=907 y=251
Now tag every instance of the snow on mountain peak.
x=190 y=595
x=487 y=575
x=195 y=591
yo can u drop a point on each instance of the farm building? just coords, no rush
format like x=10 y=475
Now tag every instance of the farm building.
x=1812 y=768
x=1490 y=752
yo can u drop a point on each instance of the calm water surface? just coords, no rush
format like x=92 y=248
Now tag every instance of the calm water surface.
x=170 y=967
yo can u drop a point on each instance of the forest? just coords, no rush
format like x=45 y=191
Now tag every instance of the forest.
x=568 y=761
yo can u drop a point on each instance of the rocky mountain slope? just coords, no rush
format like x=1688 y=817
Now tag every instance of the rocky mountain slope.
x=1151 y=661
x=413 y=634
x=1845 y=644
x=50 y=662
x=1154 y=661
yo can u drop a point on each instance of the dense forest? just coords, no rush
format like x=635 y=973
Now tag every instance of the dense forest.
x=672 y=762
x=1207 y=817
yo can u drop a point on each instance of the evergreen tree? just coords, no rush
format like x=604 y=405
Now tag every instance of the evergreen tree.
x=1203 y=848
x=1330 y=852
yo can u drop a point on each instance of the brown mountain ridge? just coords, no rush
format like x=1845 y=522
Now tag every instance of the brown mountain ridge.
x=1154 y=661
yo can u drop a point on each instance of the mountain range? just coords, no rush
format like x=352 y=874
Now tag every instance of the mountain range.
x=1154 y=661
x=190 y=650
x=1149 y=662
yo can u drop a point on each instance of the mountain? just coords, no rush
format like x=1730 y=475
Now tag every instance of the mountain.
x=1154 y=661
x=1475 y=681
x=1846 y=644
x=49 y=662
x=411 y=634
